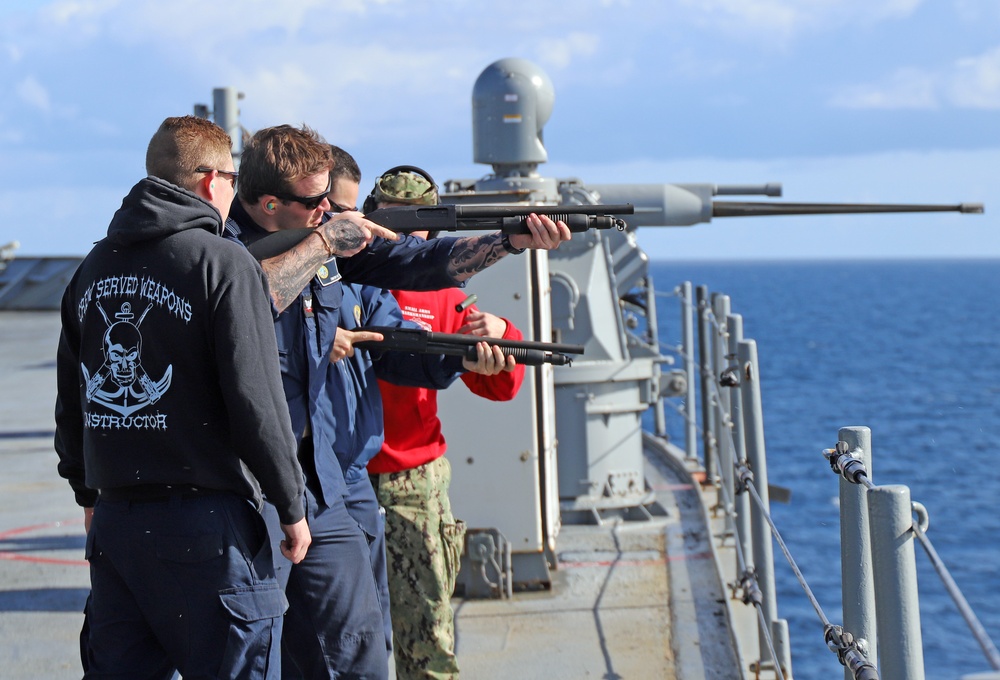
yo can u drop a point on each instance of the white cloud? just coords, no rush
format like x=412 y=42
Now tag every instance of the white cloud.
x=209 y=30
x=10 y=136
x=76 y=12
x=692 y=64
x=344 y=102
x=282 y=91
x=978 y=10
x=975 y=82
x=966 y=83
x=33 y=93
x=779 y=22
x=562 y=52
x=14 y=53
x=905 y=89
x=888 y=9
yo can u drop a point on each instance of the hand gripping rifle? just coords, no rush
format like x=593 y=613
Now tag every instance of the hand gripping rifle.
x=417 y=341
x=510 y=219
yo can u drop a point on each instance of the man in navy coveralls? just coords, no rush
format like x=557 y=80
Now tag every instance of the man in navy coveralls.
x=334 y=626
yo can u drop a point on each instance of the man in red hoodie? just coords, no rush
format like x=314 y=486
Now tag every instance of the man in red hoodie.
x=411 y=475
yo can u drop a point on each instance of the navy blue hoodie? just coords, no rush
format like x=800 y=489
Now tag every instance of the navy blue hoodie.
x=167 y=363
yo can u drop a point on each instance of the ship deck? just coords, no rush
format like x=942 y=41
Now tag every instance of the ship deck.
x=629 y=599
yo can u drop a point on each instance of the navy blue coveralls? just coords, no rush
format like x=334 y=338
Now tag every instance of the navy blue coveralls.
x=358 y=413
x=334 y=626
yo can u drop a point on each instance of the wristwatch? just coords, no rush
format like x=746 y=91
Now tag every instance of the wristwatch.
x=505 y=242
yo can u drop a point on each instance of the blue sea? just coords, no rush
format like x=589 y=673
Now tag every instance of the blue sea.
x=910 y=349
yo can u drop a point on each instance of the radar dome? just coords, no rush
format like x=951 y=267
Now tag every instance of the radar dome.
x=511 y=102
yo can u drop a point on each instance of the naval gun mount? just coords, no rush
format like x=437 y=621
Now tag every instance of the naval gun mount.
x=594 y=291
x=600 y=291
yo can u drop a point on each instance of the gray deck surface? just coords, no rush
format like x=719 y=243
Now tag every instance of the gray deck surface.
x=628 y=600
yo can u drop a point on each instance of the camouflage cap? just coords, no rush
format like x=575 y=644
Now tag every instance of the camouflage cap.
x=405 y=186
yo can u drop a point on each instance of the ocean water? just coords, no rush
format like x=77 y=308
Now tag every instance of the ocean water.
x=910 y=349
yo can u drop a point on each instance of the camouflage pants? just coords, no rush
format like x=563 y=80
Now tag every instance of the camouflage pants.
x=423 y=544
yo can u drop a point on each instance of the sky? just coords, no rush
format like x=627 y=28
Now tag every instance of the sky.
x=894 y=101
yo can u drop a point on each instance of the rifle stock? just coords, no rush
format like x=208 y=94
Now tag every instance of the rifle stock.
x=419 y=341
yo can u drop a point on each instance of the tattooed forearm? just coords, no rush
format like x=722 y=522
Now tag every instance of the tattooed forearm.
x=474 y=254
x=344 y=235
x=289 y=273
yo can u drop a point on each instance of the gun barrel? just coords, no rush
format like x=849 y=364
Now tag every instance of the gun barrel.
x=414 y=340
x=761 y=209
x=525 y=210
x=769 y=189
x=500 y=342
x=523 y=355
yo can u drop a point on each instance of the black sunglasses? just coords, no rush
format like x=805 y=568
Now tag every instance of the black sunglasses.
x=309 y=202
x=231 y=174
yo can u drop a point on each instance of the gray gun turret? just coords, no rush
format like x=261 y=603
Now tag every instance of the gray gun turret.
x=600 y=296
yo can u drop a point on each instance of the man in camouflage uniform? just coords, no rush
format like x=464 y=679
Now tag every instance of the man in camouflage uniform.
x=411 y=475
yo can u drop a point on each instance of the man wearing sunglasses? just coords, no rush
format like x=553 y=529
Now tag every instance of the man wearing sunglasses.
x=298 y=198
x=285 y=183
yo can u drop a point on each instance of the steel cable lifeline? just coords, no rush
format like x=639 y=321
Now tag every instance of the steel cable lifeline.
x=687 y=418
x=841 y=642
x=676 y=349
x=837 y=639
x=844 y=463
x=747 y=576
x=751 y=590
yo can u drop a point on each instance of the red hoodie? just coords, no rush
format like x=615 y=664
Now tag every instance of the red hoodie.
x=412 y=429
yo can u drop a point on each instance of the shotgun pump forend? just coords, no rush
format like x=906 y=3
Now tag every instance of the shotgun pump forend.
x=418 y=341
x=507 y=218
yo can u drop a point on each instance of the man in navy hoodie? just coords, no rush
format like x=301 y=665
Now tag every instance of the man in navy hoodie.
x=170 y=421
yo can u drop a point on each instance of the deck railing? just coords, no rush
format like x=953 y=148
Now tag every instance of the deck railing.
x=881 y=634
